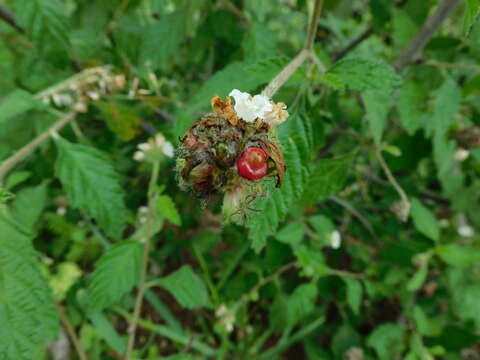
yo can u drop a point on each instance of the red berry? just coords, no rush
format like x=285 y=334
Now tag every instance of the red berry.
x=252 y=164
x=190 y=140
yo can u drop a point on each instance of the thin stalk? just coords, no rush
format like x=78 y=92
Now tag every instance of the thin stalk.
x=77 y=344
x=143 y=272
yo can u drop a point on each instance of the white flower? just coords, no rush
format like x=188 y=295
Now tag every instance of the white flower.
x=167 y=148
x=250 y=108
x=465 y=231
x=335 y=240
x=144 y=147
x=138 y=155
x=461 y=155
x=61 y=211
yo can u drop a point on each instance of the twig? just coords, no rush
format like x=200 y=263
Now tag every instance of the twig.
x=235 y=11
x=6 y=16
x=352 y=45
x=71 y=333
x=411 y=53
x=355 y=213
x=143 y=272
x=405 y=205
x=278 y=81
x=21 y=154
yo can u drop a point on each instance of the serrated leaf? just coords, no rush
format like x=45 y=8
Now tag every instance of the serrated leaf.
x=424 y=220
x=301 y=303
x=472 y=14
x=259 y=42
x=187 y=287
x=327 y=178
x=354 y=293
x=296 y=142
x=387 y=340
x=29 y=204
x=168 y=210
x=17 y=103
x=116 y=273
x=45 y=22
x=27 y=315
x=365 y=74
x=162 y=39
x=92 y=185
x=123 y=120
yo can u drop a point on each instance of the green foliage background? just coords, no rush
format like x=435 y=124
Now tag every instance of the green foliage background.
x=323 y=269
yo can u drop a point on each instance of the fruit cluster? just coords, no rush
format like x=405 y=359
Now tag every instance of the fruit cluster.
x=222 y=153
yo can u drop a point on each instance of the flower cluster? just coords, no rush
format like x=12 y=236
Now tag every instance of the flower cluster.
x=231 y=150
x=155 y=147
x=89 y=85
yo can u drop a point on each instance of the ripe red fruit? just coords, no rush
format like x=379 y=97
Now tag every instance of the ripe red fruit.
x=190 y=140
x=252 y=164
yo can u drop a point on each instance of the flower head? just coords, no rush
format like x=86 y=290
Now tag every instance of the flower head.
x=250 y=108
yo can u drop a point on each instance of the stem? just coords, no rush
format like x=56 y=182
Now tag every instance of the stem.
x=352 y=45
x=143 y=272
x=21 y=154
x=355 y=213
x=6 y=16
x=71 y=333
x=446 y=65
x=413 y=50
x=405 y=203
x=277 y=82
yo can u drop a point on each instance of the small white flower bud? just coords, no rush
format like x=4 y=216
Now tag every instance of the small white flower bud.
x=138 y=155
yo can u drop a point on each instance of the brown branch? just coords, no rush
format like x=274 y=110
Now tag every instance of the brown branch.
x=352 y=45
x=6 y=16
x=312 y=29
x=412 y=52
x=82 y=355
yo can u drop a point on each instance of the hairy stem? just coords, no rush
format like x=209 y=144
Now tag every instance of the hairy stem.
x=82 y=355
x=414 y=49
x=21 y=154
x=143 y=272
x=277 y=82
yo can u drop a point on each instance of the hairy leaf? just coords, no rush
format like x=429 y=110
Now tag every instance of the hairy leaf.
x=187 y=287
x=116 y=273
x=327 y=177
x=92 y=185
x=27 y=314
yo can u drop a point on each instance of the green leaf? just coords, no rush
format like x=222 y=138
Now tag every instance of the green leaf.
x=92 y=185
x=29 y=204
x=260 y=42
x=291 y=233
x=387 y=340
x=447 y=104
x=365 y=74
x=409 y=106
x=377 y=104
x=168 y=210
x=187 y=287
x=458 y=256
x=327 y=178
x=354 y=293
x=322 y=224
x=17 y=178
x=27 y=314
x=424 y=220
x=162 y=39
x=45 y=22
x=418 y=279
x=344 y=339
x=312 y=261
x=301 y=303
x=472 y=14
x=468 y=307
x=427 y=325
x=17 y=103
x=116 y=273
x=295 y=137
x=122 y=119
x=5 y=196
x=107 y=332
